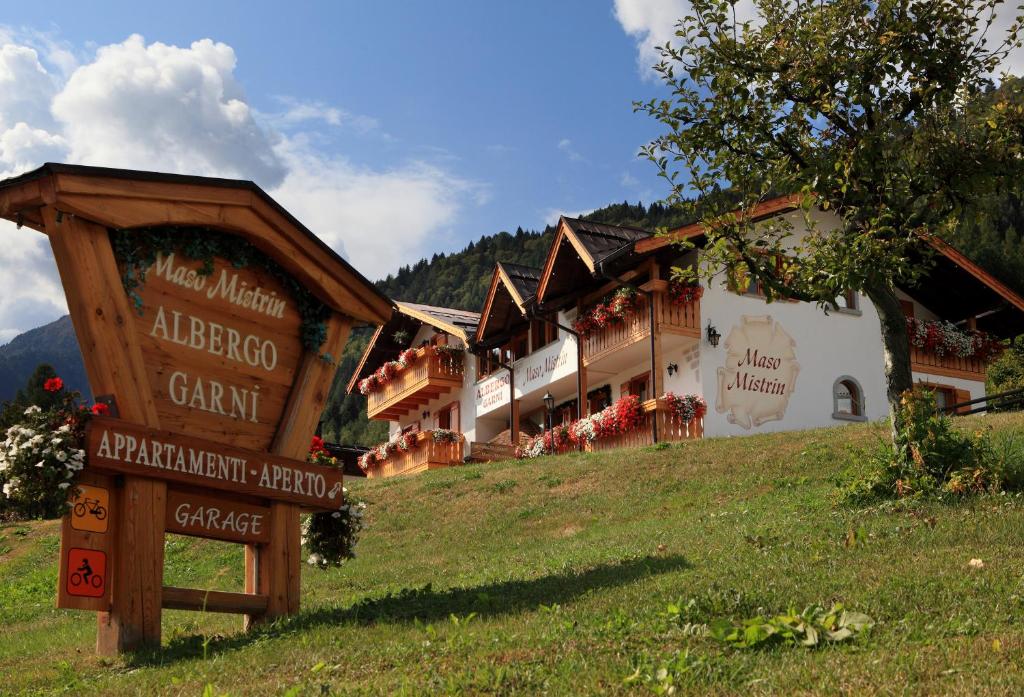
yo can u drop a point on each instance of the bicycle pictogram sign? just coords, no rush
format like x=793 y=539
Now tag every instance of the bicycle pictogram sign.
x=90 y=508
x=86 y=572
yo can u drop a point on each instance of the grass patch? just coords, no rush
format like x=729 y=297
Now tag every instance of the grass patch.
x=584 y=574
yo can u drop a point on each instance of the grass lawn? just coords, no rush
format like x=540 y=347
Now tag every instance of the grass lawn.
x=554 y=576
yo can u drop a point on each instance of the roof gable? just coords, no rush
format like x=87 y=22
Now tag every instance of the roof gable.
x=513 y=287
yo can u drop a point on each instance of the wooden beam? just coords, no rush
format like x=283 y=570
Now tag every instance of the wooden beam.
x=212 y=601
x=100 y=313
x=275 y=569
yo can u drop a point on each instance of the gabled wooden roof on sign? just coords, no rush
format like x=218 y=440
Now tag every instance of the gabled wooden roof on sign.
x=409 y=317
x=513 y=287
x=121 y=198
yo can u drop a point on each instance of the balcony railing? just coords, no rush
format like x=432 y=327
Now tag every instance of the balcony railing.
x=923 y=361
x=426 y=455
x=668 y=317
x=670 y=429
x=432 y=374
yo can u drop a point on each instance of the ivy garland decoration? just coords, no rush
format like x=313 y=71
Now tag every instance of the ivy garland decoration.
x=136 y=251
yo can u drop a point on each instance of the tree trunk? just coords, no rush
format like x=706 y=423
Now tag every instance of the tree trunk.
x=895 y=346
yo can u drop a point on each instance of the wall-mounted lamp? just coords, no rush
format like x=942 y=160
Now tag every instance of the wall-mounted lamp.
x=713 y=335
x=673 y=368
x=60 y=217
x=425 y=415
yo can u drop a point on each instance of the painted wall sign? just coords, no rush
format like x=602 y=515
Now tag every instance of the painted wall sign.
x=217 y=517
x=760 y=372
x=220 y=350
x=532 y=373
x=118 y=446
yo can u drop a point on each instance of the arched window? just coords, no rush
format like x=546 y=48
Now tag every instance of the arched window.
x=848 y=400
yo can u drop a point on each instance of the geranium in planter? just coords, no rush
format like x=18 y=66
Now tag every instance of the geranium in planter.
x=444 y=435
x=686 y=408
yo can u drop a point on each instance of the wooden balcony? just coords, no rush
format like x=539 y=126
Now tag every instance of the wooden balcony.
x=922 y=361
x=668 y=317
x=426 y=455
x=670 y=430
x=432 y=375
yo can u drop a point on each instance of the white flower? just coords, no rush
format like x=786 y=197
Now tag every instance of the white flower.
x=34 y=409
x=61 y=455
x=64 y=485
x=64 y=429
x=976 y=564
x=315 y=560
x=7 y=488
x=41 y=463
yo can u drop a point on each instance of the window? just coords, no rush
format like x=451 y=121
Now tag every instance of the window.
x=599 y=399
x=412 y=428
x=448 y=418
x=848 y=302
x=848 y=400
x=639 y=386
x=488 y=363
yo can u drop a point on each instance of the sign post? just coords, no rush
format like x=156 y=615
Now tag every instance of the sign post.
x=219 y=367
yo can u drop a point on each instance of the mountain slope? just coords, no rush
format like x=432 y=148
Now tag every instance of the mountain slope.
x=53 y=343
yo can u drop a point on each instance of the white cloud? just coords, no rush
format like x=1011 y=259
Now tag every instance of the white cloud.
x=380 y=219
x=566 y=146
x=296 y=112
x=180 y=109
x=165 y=108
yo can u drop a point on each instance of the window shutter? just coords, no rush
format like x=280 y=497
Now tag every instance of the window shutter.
x=908 y=307
x=960 y=396
x=456 y=421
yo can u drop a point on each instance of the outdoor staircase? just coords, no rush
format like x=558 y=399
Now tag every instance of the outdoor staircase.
x=500 y=447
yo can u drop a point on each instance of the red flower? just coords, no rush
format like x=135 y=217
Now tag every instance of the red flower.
x=100 y=409
x=317 y=446
x=53 y=385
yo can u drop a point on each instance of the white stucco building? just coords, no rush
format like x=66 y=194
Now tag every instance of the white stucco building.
x=759 y=366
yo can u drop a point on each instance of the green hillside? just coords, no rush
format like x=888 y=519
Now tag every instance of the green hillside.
x=556 y=575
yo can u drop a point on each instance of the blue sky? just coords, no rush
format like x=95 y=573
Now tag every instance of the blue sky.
x=487 y=90
x=392 y=129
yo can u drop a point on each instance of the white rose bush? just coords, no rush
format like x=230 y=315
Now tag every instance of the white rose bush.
x=40 y=455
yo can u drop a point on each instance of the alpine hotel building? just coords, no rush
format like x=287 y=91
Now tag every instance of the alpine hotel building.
x=601 y=328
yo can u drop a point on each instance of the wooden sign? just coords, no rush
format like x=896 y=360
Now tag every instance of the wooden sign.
x=85 y=544
x=221 y=350
x=117 y=446
x=216 y=517
x=216 y=391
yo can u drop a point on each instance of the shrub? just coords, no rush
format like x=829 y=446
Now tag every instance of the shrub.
x=928 y=457
x=41 y=451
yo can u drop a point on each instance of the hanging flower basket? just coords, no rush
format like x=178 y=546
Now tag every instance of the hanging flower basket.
x=946 y=339
x=615 y=309
x=680 y=293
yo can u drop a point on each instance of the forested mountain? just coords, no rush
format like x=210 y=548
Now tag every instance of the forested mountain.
x=52 y=343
